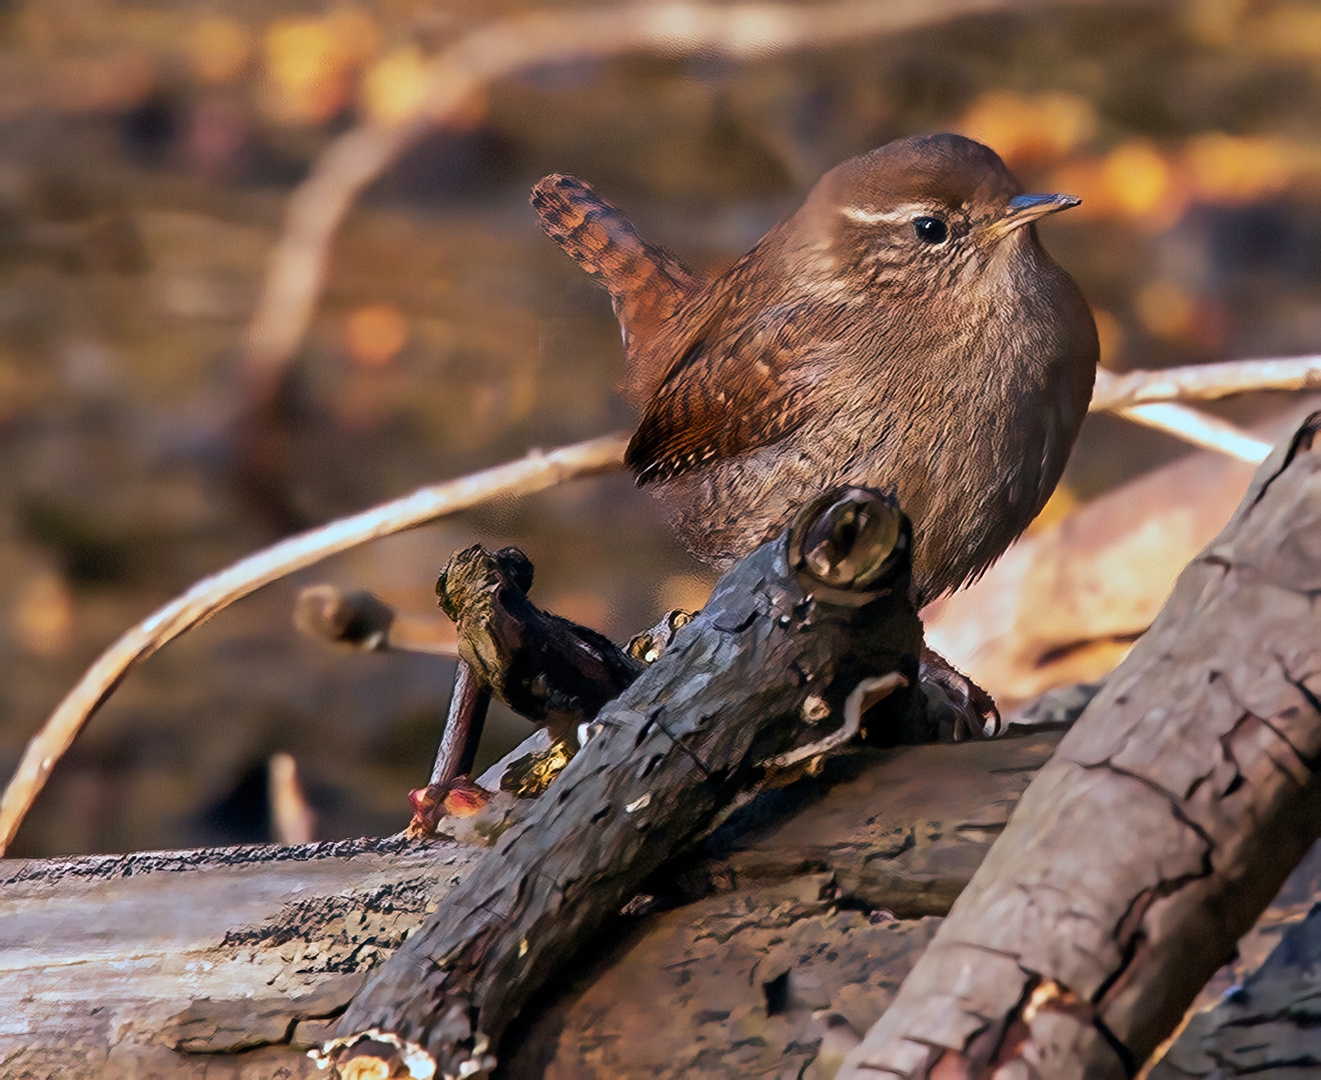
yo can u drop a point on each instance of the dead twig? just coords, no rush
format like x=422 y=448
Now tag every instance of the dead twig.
x=362 y=620
x=1154 y=398
x=1204 y=382
x=458 y=74
x=1199 y=428
x=536 y=472
x=469 y=701
x=293 y=821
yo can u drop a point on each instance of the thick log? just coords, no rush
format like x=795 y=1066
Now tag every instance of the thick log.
x=220 y=963
x=1168 y=818
x=155 y=963
x=794 y=638
x=231 y=963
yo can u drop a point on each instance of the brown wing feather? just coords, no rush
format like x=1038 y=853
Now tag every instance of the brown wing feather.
x=731 y=392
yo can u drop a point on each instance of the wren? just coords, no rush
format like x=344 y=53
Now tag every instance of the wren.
x=903 y=331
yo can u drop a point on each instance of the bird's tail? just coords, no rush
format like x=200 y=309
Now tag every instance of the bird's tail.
x=645 y=281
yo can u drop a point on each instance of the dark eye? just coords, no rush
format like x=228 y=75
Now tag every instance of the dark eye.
x=930 y=230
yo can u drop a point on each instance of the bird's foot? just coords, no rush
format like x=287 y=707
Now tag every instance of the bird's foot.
x=459 y=797
x=972 y=708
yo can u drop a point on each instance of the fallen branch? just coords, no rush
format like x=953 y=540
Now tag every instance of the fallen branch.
x=797 y=637
x=1164 y=824
x=226 y=961
x=536 y=472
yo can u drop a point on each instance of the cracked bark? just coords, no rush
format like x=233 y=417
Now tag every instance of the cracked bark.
x=220 y=964
x=1166 y=821
x=793 y=942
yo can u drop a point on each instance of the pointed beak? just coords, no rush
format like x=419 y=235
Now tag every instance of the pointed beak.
x=1024 y=209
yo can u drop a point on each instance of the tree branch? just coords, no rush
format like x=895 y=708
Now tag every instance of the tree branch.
x=535 y=472
x=1164 y=824
x=1204 y=382
x=779 y=650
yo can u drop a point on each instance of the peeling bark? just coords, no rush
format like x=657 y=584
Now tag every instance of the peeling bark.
x=232 y=963
x=1168 y=818
x=220 y=962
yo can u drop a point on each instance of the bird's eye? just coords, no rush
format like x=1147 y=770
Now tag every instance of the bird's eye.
x=930 y=230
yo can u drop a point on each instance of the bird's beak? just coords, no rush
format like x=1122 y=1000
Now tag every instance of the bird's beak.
x=1023 y=209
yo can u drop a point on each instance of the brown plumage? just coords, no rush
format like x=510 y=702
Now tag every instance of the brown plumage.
x=903 y=330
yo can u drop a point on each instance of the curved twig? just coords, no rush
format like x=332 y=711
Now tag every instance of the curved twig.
x=1155 y=398
x=535 y=472
x=749 y=31
x=1205 y=382
x=1199 y=428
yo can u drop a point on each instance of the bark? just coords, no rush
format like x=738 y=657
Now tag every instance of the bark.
x=552 y=671
x=1264 y=1027
x=232 y=963
x=793 y=637
x=1168 y=818
x=166 y=963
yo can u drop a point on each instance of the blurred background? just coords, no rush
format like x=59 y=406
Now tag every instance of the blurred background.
x=148 y=152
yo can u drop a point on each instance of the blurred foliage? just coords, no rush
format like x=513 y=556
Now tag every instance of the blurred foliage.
x=146 y=156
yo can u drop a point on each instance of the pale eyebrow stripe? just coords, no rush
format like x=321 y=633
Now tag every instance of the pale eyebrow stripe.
x=883 y=217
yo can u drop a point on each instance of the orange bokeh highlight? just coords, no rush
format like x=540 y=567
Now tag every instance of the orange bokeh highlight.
x=375 y=333
x=1024 y=129
x=219 y=49
x=312 y=63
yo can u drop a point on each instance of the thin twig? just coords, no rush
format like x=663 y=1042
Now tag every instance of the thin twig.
x=536 y=472
x=362 y=620
x=1152 y=398
x=497 y=50
x=1205 y=382
x=1200 y=429
x=293 y=821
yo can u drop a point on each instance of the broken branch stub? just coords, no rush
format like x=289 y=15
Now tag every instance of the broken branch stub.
x=1166 y=821
x=791 y=634
x=544 y=667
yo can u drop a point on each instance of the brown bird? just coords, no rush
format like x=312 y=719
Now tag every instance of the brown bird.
x=904 y=330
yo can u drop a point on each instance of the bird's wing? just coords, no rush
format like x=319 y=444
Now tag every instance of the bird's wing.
x=732 y=391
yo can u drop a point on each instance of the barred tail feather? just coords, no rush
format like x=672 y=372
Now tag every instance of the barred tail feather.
x=645 y=281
